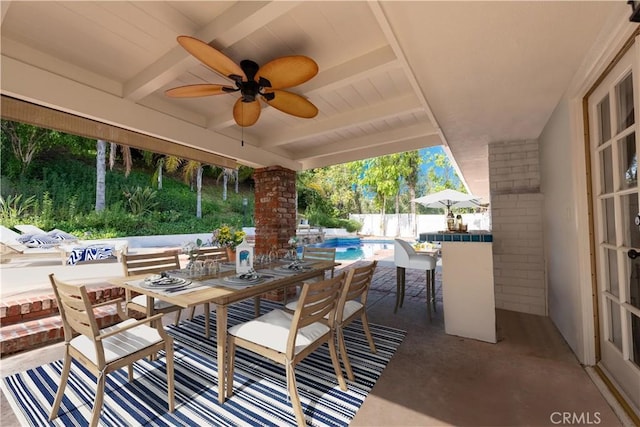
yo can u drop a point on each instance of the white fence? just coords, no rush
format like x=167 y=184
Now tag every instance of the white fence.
x=402 y=225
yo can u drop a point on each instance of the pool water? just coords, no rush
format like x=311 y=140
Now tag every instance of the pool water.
x=354 y=248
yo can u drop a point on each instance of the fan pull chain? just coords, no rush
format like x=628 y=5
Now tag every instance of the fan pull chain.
x=242 y=127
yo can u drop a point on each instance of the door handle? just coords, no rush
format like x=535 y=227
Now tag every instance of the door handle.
x=633 y=254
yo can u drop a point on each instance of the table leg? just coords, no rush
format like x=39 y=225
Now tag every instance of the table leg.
x=150 y=312
x=400 y=281
x=433 y=289
x=256 y=305
x=207 y=328
x=429 y=296
x=221 y=336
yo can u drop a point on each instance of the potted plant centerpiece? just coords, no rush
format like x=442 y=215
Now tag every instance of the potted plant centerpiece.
x=227 y=237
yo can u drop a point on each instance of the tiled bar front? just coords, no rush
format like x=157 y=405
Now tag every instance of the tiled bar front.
x=467 y=284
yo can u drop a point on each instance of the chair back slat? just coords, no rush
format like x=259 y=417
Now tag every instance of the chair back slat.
x=150 y=263
x=75 y=309
x=310 y=253
x=218 y=254
x=356 y=286
x=317 y=300
x=360 y=281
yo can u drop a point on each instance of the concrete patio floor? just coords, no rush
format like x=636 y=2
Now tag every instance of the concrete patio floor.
x=530 y=377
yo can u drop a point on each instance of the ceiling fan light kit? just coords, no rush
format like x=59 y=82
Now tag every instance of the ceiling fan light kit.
x=252 y=81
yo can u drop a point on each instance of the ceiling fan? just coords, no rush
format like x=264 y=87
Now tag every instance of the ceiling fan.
x=253 y=82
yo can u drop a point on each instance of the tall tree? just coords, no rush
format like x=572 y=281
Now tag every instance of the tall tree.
x=227 y=174
x=199 y=192
x=26 y=141
x=381 y=176
x=127 y=160
x=161 y=163
x=192 y=171
x=441 y=174
x=411 y=161
x=101 y=172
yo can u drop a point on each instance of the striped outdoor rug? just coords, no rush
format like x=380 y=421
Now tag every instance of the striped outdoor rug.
x=260 y=395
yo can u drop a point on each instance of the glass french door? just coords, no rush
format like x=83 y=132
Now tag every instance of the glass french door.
x=615 y=144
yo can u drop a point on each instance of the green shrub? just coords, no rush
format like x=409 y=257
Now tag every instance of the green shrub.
x=141 y=200
x=14 y=207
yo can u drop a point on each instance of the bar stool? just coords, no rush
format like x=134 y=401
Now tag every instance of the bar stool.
x=406 y=257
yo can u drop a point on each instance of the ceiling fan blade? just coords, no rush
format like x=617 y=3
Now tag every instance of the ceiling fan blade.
x=288 y=71
x=194 y=91
x=246 y=113
x=211 y=57
x=291 y=103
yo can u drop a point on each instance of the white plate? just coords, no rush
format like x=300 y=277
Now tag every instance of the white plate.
x=238 y=281
x=164 y=282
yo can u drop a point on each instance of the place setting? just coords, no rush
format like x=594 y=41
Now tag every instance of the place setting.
x=293 y=267
x=164 y=283
x=241 y=280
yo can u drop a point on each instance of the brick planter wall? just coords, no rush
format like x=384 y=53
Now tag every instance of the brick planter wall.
x=275 y=212
x=34 y=322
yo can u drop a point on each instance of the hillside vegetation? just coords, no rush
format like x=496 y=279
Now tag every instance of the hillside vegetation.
x=59 y=191
x=49 y=180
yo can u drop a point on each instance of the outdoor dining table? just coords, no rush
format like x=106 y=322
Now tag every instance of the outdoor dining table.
x=215 y=289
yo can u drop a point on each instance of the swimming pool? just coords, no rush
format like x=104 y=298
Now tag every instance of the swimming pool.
x=353 y=248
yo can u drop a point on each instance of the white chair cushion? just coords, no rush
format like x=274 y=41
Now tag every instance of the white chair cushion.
x=120 y=345
x=158 y=304
x=272 y=330
x=422 y=262
x=292 y=305
x=350 y=307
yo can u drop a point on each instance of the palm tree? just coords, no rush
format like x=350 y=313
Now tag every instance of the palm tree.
x=101 y=172
x=226 y=174
x=191 y=170
x=101 y=186
x=162 y=162
x=126 y=157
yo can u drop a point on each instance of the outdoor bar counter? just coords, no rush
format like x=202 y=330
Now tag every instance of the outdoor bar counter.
x=467 y=283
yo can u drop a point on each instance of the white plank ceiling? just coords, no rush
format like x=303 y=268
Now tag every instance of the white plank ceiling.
x=394 y=76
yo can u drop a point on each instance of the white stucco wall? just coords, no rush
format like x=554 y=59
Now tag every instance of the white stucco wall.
x=560 y=230
x=563 y=183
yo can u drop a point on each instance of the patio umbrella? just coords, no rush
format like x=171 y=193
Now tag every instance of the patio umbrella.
x=448 y=199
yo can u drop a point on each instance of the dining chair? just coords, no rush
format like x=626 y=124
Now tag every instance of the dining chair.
x=217 y=254
x=310 y=253
x=103 y=351
x=287 y=338
x=150 y=263
x=351 y=305
x=405 y=257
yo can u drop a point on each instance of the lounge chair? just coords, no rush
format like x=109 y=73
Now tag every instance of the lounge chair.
x=29 y=229
x=11 y=248
x=70 y=249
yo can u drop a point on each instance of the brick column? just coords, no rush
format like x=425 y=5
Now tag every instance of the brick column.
x=275 y=211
